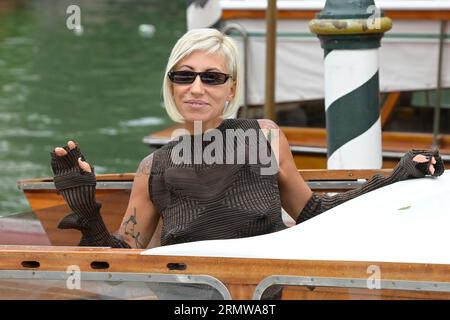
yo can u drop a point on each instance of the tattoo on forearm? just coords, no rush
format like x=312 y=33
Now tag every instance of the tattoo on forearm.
x=145 y=166
x=129 y=226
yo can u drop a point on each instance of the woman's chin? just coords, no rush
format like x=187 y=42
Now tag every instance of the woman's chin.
x=192 y=117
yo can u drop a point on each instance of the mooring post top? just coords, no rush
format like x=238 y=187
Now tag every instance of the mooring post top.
x=350 y=24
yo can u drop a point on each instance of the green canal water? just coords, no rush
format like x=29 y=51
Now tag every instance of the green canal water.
x=101 y=86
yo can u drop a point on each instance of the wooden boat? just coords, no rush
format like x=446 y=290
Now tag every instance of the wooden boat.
x=409 y=269
x=416 y=32
x=113 y=191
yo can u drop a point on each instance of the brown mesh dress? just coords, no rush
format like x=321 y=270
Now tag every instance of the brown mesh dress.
x=200 y=200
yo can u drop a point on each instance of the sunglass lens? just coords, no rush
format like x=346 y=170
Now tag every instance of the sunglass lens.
x=182 y=76
x=213 y=78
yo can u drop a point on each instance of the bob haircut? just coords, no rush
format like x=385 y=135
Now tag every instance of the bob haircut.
x=211 y=41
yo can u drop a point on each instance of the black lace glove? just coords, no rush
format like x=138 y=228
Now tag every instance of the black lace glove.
x=78 y=189
x=406 y=168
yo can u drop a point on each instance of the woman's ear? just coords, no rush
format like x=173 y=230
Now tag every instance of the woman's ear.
x=232 y=91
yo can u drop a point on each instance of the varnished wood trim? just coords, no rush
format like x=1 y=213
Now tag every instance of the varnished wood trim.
x=418 y=14
x=392 y=141
x=242 y=273
x=261 y=14
x=388 y=106
x=312 y=174
x=327 y=175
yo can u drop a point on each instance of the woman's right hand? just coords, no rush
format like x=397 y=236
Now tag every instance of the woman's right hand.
x=75 y=180
x=61 y=152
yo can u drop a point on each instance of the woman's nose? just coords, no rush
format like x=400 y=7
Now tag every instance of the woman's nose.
x=197 y=86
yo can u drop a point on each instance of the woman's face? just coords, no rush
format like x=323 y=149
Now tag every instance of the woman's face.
x=198 y=101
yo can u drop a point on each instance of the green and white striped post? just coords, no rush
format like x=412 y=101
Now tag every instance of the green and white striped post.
x=350 y=33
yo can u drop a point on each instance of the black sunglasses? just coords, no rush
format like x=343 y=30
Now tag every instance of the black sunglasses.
x=207 y=77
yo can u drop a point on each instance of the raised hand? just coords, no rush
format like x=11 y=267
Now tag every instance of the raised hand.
x=61 y=152
x=75 y=180
x=419 y=163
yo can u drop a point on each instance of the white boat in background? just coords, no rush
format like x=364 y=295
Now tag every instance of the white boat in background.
x=299 y=57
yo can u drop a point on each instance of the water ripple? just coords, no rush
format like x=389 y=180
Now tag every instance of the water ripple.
x=14 y=41
x=4 y=146
x=108 y=131
x=22 y=132
x=141 y=122
x=8 y=116
x=42 y=119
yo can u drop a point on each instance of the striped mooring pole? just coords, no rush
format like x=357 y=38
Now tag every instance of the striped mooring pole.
x=204 y=14
x=350 y=33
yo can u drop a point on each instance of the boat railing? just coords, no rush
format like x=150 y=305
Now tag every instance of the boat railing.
x=318 y=179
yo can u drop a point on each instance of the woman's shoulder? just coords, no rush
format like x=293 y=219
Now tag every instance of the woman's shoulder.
x=145 y=166
x=267 y=124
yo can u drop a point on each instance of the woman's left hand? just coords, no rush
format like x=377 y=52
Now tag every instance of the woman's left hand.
x=419 y=163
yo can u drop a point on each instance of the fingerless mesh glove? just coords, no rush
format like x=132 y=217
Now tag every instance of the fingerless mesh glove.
x=405 y=169
x=78 y=189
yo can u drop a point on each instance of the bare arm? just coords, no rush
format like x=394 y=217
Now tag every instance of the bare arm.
x=141 y=218
x=294 y=191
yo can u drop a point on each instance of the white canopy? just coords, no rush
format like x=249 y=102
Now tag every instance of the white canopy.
x=408 y=54
x=407 y=222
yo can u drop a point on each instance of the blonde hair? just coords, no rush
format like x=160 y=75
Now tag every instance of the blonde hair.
x=211 y=41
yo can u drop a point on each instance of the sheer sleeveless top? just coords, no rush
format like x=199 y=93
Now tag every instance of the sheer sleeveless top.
x=213 y=185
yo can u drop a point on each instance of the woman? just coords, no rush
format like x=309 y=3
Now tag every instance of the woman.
x=200 y=187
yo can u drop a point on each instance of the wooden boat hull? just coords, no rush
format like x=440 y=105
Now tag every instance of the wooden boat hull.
x=114 y=204
x=237 y=278
x=50 y=207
